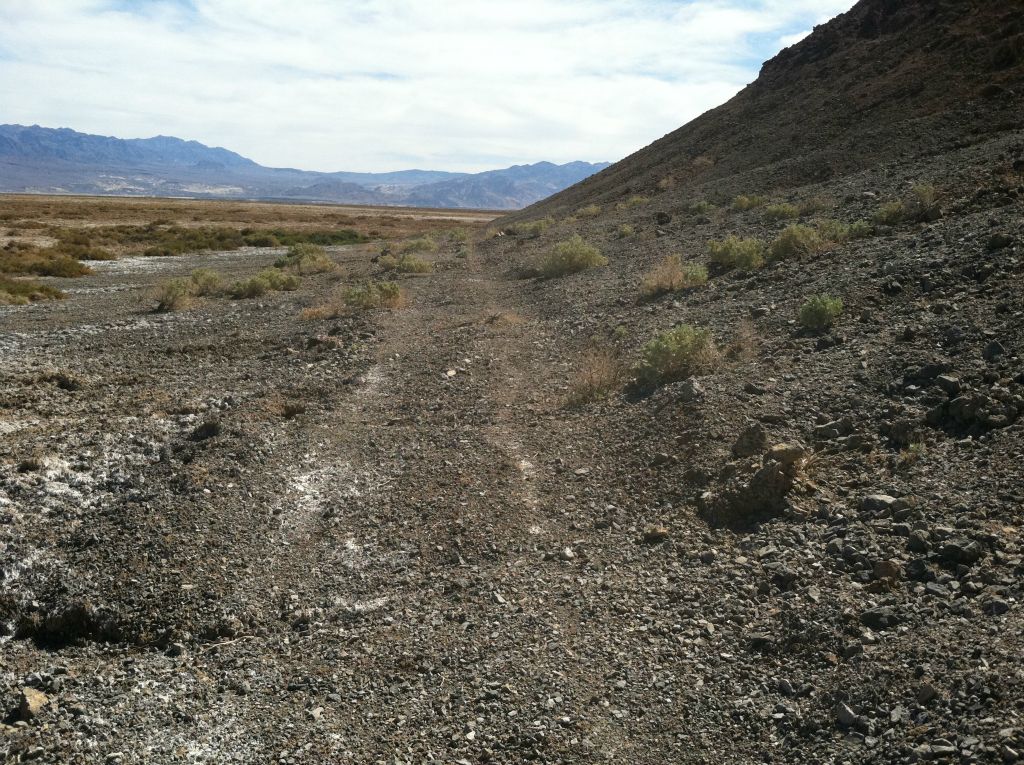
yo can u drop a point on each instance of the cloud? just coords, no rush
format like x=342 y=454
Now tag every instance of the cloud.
x=389 y=84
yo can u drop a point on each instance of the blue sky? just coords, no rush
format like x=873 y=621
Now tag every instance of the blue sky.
x=376 y=85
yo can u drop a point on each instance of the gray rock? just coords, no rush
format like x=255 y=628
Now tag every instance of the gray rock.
x=881 y=618
x=751 y=441
x=960 y=550
x=875 y=503
x=846 y=716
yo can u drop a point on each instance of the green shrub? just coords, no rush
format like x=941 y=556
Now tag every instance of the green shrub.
x=406 y=264
x=278 y=281
x=820 y=312
x=205 y=282
x=531 y=229
x=626 y=230
x=796 y=241
x=306 y=258
x=890 y=214
x=422 y=244
x=833 y=230
x=922 y=206
x=270 y=280
x=735 y=253
x=40 y=263
x=743 y=202
x=22 y=291
x=861 y=229
x=590 y=211
x=677 y=354
x=811 y=205
x=781 y=212
x=173 y=295
x=571 y=256
x=636 y=201
x=373 y=295
x=672 y=275
x=702 y=207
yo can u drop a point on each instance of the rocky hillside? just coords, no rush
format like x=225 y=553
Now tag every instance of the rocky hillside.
x=43 y=160
x=885 y=82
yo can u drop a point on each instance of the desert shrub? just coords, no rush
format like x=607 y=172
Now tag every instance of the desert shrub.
x=530 y=229
x=922 y=205
x=861 y=229
x=83 y=251
x=681 y=352
x=672 y=275
x=833 y=230
x=890 y=214
x=744 y=202
x=625 y=230
x=571 y=256
x=820 y=312
x=636 y=201
x=270 y=280
x=702 y=207
x=246 y=289
x=783 y=211
x=406 y=264
x=666 y=183
x=278 y=281
x=796 y=241
x=459 y=235
x=40 y=263
x=735 y=253
x=811 y=205
x=373 y=295
x=422 y=244
x=173 y=295
x=598 y=373
x=590 y=211
x=205 y=282
x=744 y=342
x=306 y=258
x=22 y=291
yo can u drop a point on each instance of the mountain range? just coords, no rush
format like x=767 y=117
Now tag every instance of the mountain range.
x=36 y=159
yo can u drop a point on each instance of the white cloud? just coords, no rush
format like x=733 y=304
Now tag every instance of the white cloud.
x=389 y=84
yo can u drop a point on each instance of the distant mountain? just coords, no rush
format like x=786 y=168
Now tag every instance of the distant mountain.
x=63 y=161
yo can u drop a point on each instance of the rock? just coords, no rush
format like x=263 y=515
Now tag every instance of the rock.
x=662 y=218
x=751 y=441
x=755 y=389
x=655 y=535
x=32 y=703
x=846 y=716
x=881 y=618
x=993 y=351
x=876 y=503
x=566 y=554
x=708 y=556
x=759 y=312
x=995 y=607
x=689 y=391
x=887 y=569
x=961 y=551
x=787 y=454
x=919 y=541
x=999 y=241
x=950 y=384
x=926 y=692
x=176 y=649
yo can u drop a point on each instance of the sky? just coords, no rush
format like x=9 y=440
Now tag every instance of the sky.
x=377 y=85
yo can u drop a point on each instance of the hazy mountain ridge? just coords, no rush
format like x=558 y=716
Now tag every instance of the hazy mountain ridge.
x=45 y=160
